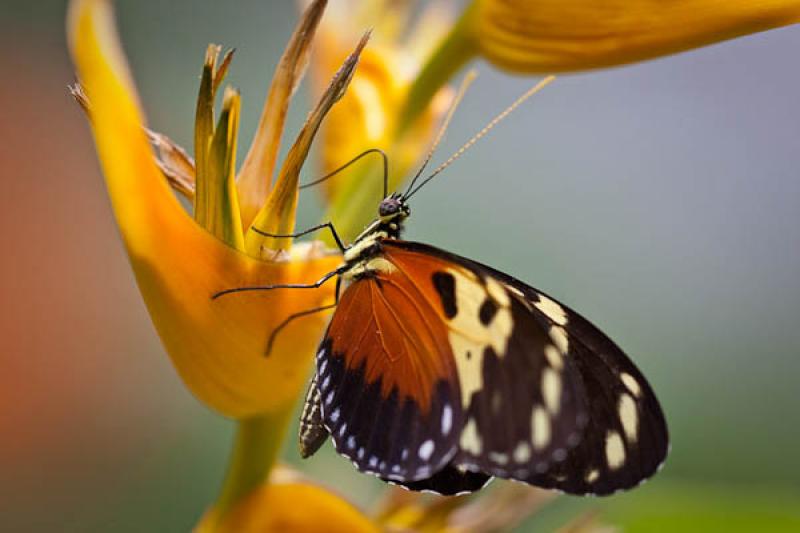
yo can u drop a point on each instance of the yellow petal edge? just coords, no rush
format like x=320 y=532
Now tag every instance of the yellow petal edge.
x=547 y=36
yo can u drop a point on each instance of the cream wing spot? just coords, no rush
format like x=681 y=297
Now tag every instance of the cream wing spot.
x=629 y=416
x=551 y=310
x=615 y=450
x=540 y=428
x=551 y=389
x=559 y=337
x=592 y=475
x=516 y=292
x=554 y=357
x=470 y=439
x=522 y=453
x=497 y=292
x=468 y=335
x=631 y=383
x=499 y=458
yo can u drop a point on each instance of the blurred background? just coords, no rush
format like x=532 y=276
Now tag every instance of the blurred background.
x=662 y=200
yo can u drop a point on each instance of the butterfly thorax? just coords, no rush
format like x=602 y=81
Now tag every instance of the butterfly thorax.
x=364 y=256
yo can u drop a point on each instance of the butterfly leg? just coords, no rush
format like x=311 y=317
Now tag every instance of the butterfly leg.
x=317 y=284
x=318 y=227
x=301 y=314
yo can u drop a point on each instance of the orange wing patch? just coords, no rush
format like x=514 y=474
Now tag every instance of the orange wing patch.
x=476 y=312
x=385 y=323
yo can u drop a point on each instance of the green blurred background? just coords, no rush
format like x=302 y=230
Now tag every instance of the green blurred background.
x=661 y=199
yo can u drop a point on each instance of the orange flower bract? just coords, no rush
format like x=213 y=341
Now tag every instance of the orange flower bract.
x=217 y=345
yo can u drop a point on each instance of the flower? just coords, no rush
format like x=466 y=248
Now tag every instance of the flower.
x=548 y=36
x=289 y=502
x=218 y=346
x=369 y=114
x=569 y=35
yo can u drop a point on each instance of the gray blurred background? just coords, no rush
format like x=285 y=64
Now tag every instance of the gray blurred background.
x=662 y=200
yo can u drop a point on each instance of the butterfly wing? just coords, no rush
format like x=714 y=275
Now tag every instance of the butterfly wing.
x=449 y=481
x=426 y=360
x=388 y=386
x=625 y=437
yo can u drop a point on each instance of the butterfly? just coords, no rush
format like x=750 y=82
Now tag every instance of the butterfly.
x=438 y=373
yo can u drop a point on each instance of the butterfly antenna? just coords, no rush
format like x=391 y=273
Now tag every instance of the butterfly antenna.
x=465 y=83
x=533 y=90
x=331 y=174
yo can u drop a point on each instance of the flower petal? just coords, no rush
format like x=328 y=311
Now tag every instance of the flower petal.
x=565 y=35
x=367 y=117
x=176 y=165
x=221 y=215
x=278 y=214
x=216 y=206
x=173 y=161
x=255 y=175
x=290 y=506
x=217 y=346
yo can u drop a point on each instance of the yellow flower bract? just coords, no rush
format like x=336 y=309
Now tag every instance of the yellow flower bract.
x=567 y=35
x=216 y=345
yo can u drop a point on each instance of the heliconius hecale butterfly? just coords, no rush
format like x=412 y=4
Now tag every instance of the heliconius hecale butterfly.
x=437 y=373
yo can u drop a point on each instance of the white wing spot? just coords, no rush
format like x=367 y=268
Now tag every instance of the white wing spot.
x=323 y=365
x=360 y=453
x=554 y=357
x=351 y=442
x=447 y=419
x=540 y=428
x=499 y=458
x=551 y=310
x=329 y=398
x=497 y=402
x=551 y=389
x=522 y=453
x=404 y=454
x=373 y=461
x=615 y=450
x=470 y=440
x=342 y=429
x=334 y=416
x=559 y=337
x=631 y=383
x=426 y=450
x=629 y=416
x=326 y=382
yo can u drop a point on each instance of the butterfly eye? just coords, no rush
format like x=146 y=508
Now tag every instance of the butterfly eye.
x=389 y=206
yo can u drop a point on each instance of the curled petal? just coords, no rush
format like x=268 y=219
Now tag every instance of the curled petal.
x=216 y=345
x=565 y=35
x=277 y=216
x=290 y=505
x=256 y=174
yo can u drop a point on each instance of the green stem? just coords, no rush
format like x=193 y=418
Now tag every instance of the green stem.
x=455 y=50
x=257 y=445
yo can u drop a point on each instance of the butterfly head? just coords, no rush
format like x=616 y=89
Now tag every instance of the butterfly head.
x=393 y=209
